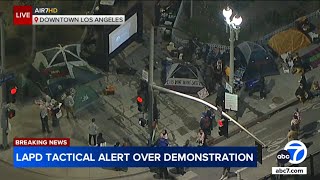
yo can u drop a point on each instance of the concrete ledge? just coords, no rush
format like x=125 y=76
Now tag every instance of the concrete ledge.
x=249 y=124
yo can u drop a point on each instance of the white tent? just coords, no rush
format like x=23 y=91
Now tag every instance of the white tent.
x=184 y=78
x=68 y=56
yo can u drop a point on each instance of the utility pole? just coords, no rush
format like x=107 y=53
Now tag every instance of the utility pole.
x=34 y=42
x=4 y=119
x=191 y=9
x=231 y=64
x=150 y=89
x=211 y=106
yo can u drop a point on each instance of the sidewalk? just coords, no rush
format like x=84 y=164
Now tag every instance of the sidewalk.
x=181 y=117
x=27 y=124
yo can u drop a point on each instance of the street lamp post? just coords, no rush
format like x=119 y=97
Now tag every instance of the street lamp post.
x=234 y=28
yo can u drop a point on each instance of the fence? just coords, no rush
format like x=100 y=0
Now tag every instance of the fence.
x=183 y=42
x=312 y=163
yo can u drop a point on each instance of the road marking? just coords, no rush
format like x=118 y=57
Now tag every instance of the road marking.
x=257 y=132
x=266 y=157
x=316 y=106
x=188 y=175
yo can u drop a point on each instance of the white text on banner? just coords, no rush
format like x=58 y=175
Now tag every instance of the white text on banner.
x=78 y=19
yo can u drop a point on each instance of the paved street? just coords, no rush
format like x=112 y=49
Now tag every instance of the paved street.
x=273 y=132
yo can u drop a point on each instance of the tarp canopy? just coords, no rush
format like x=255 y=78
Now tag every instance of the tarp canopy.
x=290 y=40
x=84 y=97
x=59 y=61
x=184 y=78
x=257 y=59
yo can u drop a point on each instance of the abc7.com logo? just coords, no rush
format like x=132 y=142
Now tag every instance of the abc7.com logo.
x=295 y=152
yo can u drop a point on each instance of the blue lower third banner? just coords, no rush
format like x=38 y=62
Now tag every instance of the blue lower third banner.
x=28 y=157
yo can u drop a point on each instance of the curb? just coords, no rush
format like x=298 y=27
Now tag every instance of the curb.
x=262 y=118
x=43 y=174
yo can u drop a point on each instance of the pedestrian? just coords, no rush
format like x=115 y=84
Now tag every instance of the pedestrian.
x=201 y=138
x=295 y=124
x=301 y=94
x=93 y=131
x=315 y=88
x=262 y=88
x=292 y=134
x=164 y=134
x=56 y=114
x=225 y=173
x=205 y=125
x=181 y=170
x=303 y=81
x=69 y=105
x=117 y=144
x=101 y=141
x=44 y=118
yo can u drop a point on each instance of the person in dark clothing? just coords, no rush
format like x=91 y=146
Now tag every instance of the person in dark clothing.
x=301 y=94
x=100 y=140
x=117 y=144
x=262 y=88
x=205 y=125
x=181 y=170
x=303 y=81
x=163 y=142
x=55 y=110
x=44 y=119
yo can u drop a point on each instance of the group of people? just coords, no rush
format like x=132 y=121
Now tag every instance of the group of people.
x=51 y=109
x=296 y=64
x=304 y=92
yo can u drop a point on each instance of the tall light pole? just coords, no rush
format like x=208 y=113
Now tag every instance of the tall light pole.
x=3 y=117
x=234 y=28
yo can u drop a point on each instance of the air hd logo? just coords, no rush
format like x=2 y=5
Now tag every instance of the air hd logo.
x=295 y=152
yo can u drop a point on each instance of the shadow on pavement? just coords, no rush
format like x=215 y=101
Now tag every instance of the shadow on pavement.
x=308 y=130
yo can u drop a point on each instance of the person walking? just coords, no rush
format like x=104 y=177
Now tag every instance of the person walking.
x=181 y=170
x=201 y=138
x=163 y=142
x=262 y=89
x=69 y=105
x=56 y=114
x=93 y=131
x=292 y=135
x=44 y=118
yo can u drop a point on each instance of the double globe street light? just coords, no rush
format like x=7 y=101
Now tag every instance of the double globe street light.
x=234 y=29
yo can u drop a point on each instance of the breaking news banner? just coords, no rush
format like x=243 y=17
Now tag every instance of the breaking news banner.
x=52 y=157
x=28 y=15
x=41 y=142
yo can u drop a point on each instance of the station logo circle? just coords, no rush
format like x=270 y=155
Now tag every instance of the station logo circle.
x=297 y=150
x=283 y=156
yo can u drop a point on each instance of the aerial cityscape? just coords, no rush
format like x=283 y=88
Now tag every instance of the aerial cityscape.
x=161 y=74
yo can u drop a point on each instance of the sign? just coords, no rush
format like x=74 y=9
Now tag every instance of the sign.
x=203 y=93
x=231 y=101
x=229 y=87
x=6 y=77
x=145 y=75
x=183 y=82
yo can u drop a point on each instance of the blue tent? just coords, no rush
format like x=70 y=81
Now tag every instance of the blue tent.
x=258 y=60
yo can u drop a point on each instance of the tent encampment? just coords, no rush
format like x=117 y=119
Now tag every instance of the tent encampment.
x=258 y=60
x=290 y=40
x=184 y=78
x=59 y=61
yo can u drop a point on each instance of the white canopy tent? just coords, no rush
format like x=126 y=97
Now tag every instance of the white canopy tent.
x=68 y=56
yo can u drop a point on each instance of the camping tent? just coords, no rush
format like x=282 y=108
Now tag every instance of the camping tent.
x=257 y=60
x=59 y=61
x=288 y=41
x=184 y=78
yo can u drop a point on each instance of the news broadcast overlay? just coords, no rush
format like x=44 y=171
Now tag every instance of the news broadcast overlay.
x=51 y=157
x=41 y=141
x=294 y=152
x=27 y=15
